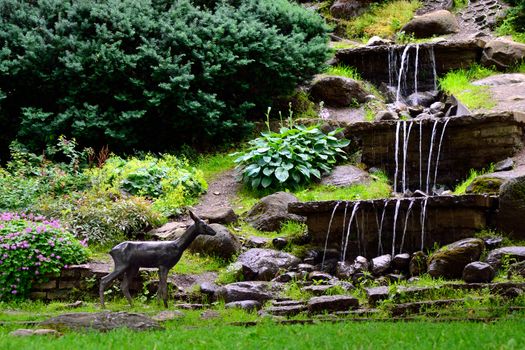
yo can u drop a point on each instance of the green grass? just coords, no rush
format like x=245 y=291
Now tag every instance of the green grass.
x=213 y=164
x=378 y=188
x=383 y=19
x=344 y=71
x=473 y=174
x=460 y=4
x=458 y=83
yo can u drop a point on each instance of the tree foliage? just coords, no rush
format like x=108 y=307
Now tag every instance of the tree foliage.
x=148 y=74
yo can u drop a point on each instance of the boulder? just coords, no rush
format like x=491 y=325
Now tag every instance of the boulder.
x=376 y=294
x=256 y=242
x=346 y=175
x=265 y=264
x=168 y=315
x=401 y=262
x=433 y=23
x=377 y=41
x=168 y=231
x=505 y=255
x=221 y=215
x=386 y=115
x=271 y=211
x=101 y=321
x=517 y=269
x=344 y=270
x=332 y=303
x=450 y=260
x=254 y=290
x=478 y=272
x=347 y=9
x=502 y=53
x=244 y=304
x=512 y=208
x=493 y=182
x=380 y=265
x=30 y=332
x=224 y=244
x=507 y=91
x=337 y=91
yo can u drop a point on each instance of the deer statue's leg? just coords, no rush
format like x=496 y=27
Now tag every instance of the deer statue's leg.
x=163 y=285
x=106 y=280
x=130 y=274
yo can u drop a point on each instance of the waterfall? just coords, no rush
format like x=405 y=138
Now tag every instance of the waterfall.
x=430 y=155
x=406 y=137
x=379 y=233
x=439 y=150
x=420 y=154
x=398 y=202
x=396 y=150
x=345 y=247
x=404 y=61
x=406 y=224
x=433 y=63
x=422 y=220
x=344 y=221
x=415 y=73
x=328 y=233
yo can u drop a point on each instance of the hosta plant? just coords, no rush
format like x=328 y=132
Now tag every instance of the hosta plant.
x=31 y=249
x=291 y=157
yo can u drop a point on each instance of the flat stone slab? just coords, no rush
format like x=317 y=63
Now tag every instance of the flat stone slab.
x=286 y=310
x=101 y=321
x=332 y=303
x=346 y=175
x=405 y=308
x=376 y=294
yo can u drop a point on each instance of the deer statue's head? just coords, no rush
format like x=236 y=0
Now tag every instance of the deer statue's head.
x=201 y=227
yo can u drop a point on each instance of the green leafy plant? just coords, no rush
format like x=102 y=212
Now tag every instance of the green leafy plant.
x=344 y=71
x=289 y=158
x=31 y=249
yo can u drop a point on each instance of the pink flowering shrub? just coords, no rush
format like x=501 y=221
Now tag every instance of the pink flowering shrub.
x=32 y=247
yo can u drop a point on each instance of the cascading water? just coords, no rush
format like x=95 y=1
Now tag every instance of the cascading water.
x=380 y=231
x=345 y=246
x=398 y=202
x=439 y=150
x=402 y=70
x=423 y=220
x=406 y=224
x=328 y=234
x=429 y=161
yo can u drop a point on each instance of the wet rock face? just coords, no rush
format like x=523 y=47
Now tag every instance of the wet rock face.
x=224 y=244
x=502 y=53
x=512 y=207
x=271 y=211
x=478 y=272
x=264 y=264
x=433 y=23
x=338 y=91
x=450 y=260
x=498 y=257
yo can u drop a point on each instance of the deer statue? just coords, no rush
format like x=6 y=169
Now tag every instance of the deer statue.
x=129 y=257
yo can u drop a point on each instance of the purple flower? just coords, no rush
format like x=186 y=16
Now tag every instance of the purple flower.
x=14 y=291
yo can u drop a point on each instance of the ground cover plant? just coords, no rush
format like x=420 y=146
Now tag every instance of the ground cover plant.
x=32 y=249
x=141 y=74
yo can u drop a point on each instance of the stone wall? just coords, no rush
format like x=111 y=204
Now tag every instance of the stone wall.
x=372 y=62
x=448 y=219
x=469 y=142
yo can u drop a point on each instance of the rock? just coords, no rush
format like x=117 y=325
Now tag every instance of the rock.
x=286 y=277
x=507 y=91
x=516 y=269
x=344 y=270
x=386 y=115
x=271 y=211
x=433 y=23
x=377 y=41
x=224 y=244
x=332 y=303
x=380 y=264
x=265 y=264
x=346 y=175
x=347 y=9
x=221 y=215
x=437 y=107
x=478 y=272
x=492 y=242
x=208 y=288
x=279 y=243
x=189 y=306
x=210 y=314
x=321 y=289
x=512 y=208
x=361 y=264
x=254 y=290
x=505 y=255
x=501 y=80
x=502 y=53
x=286 y=310
x=101 y=321
x=401 y=262
x=424 y=116
x=248 y=305
x=450 y=260
x=256 y=242
x=337 y=91
x=422 y=98
x=168 y=231
x=504 y=165
x=30 y=332
x=319 y=276
x=418 y=264
x=305 y=268
x=376 y=294
x=166 y=315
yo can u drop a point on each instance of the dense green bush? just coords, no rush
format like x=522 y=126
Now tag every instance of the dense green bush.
x=170 y=182
x=148 y=74
x=31 y=247
x=289 y=158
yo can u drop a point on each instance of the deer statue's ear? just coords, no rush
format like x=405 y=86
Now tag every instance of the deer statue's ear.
x=193 y=216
